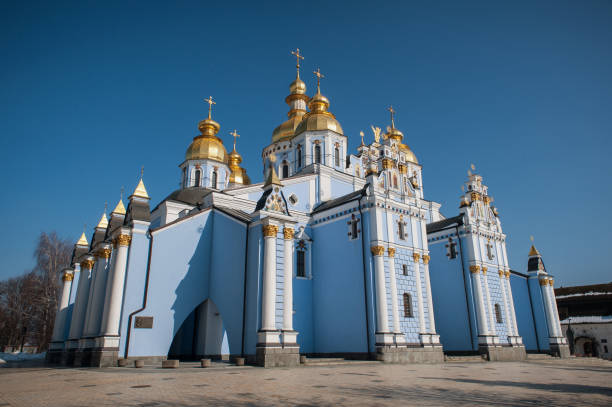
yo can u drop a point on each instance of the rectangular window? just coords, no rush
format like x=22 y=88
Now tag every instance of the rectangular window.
x=405 y=269
x=407 y=305
x=400 y=230
x=301 y=263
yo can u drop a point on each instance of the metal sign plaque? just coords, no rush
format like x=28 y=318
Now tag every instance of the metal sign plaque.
x=143 y=322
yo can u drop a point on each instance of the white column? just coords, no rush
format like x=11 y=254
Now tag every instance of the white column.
x=554 y=307
x=268 y=321
x=550 y=317
x=502 y=286
x=492 y=330
x=382 y=316
x=288 y=279
x=512 y=311
x=97 y=291
x=60 y=317
x=80 y=303
x=393 y=288
x=419 y=290
x=114 y=296
x=432 y=323
x=480 y=308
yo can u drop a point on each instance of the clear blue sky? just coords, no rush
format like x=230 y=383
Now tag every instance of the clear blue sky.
x=90 y=93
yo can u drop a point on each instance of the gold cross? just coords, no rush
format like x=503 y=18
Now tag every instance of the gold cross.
x=210 y=103
x=236 y=135
x=392 y=111
x=141 y=172
x=298 y=57
x=121 y=195
x=319 y=75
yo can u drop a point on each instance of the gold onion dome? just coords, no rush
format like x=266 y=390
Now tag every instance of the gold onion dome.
x=398 y=136
x=319 y=118
x=238 y=174
x=296 y=100
x=207 y=146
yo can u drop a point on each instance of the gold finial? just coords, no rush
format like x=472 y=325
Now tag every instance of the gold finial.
x=531 y=238
x=120 y=209
x=82 y=240
x=140 y=190
x=236 y=135
x=392 y=111
x=473 y=167
x=298 y=56
x=210 y=102
x=103 y=224
x=362 y=135
x=319 y=75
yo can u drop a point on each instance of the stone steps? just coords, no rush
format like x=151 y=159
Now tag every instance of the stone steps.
x=464 y=359
x=336 y=361
x=539 y=356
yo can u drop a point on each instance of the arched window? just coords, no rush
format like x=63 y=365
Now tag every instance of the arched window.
x=301 y=263
x=285 y=170
x=198 y=177
x=407 y=305
x=214 y=180
x=184 y=177
x=394 y=181
x=337 y=156
x=299 y=155
x=317 y=154
x=498 y=314
x=401 y=233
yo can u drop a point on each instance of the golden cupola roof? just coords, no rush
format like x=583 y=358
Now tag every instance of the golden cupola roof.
x=319 y=118
x=82 y=240
x=238 y=174
x=397 y=136
x=296 y=100
x=207 y=146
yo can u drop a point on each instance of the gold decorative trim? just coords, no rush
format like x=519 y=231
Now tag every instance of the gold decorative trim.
x=475 y=196
x=270 y=230
x=377 y=250
x=387 y=163
x=543 y=282
x=288 y=233
x=402 y=169
x=67 y=277
x=484 y=269
x=474 y=269
x=87 y=264
x=551 y=282
x=501 y=273
x=507 y=274
x=391 y=251
x=124 y=240
x=486 y=200
x=416 y=257
x=426 y=259
x=103 y=253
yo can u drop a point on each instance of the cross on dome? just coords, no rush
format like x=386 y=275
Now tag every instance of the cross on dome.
x=392 y=111
x=298 y=56
x=210 y=102
x=319 y=75
x=235 y=135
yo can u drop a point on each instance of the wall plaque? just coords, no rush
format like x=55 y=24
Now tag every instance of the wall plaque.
x=143 y=322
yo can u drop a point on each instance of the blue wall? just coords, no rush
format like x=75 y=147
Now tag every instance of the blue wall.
x=523 y=311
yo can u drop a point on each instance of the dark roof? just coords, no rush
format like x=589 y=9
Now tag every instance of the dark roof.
x=583 y=289
x=137 y=210
x=190 y=196
x=261 y=203
x=241 y=215
x=341 y=200
x=443 y=224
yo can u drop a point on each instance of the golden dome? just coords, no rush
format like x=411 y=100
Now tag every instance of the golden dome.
x=238 y=174
x=287 y=129
x=297 y=87
x=410 y=157
x=319 y=118
x=297 y=102
x=207 y=146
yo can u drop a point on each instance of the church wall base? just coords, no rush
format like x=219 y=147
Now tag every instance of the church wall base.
x=54 y=356
x=104 y=357
x=405 y=354
x=277 y=356
x=560 y=350
x=497 y=353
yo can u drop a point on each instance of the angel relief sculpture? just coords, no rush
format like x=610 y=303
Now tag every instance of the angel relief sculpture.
x=376 y=131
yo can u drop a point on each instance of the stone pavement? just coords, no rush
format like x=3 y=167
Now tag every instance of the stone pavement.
x=573 y=382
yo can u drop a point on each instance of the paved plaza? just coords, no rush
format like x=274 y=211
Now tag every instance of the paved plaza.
x=573 y=382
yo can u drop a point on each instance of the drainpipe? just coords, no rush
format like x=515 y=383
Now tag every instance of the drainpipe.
x=246 y=252
x=363 y=261
x=465 y=288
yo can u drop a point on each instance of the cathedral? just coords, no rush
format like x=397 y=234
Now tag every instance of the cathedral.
x=336 y=253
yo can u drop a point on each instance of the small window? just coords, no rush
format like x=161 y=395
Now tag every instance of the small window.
x=214 y=179
x=184 y=177
x=394 y=181
x=337 y=156
x=498 y=314
x=293 y=199
x=452 y=249
x=301 y=263
x=353 y=227
x=407 y=305
x=605 y=348
x=299 y=155
x=317 y=154
x=198 y=176
x=285 y=170
x=405 y=269
x=400 y=229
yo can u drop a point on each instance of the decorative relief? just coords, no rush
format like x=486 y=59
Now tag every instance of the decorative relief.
x=484 y=269
x=543 y=282
x=507 y=274
x=474 y=269
x=103 y=253
x=426 y=259
x=377 y=250
x=416 y=257
x=551 y=282
x=501 y=273
x=475 y=196
x=143 y=322
x=387 y=163
x=270 y=230
x=402 y=169
x=67 y=277
x=391 y=251
x=288 y=233
x=124 y=240
x=87 y=264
